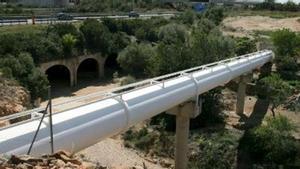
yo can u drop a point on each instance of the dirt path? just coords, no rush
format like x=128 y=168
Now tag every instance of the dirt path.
x=243 y=25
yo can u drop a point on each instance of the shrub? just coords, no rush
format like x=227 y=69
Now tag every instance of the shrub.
x=272 y=143
x=127 y=80
x=22 y=69
x=215 y=14
x=216 y=150
x=244 y=46
x=156 y=141
x=286 y=42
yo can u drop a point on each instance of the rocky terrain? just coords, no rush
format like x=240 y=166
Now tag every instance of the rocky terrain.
x=60 y=159
x=13 y=98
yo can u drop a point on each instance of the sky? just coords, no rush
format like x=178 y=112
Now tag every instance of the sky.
x=284 y=1
x=278 y=1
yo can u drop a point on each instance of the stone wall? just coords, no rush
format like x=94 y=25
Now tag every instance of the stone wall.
x=72 y=64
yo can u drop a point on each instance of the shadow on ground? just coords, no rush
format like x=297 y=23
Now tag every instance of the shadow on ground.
x=255 y=119
x=62 y=89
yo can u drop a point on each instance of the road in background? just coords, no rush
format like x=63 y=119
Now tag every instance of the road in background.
x=49 y=20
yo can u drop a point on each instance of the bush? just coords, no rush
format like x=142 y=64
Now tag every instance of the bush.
x=272 y=143
x=244 y=46
x=215 y=14
x=154 y=141
x=287 y=43
x=127 y=80
x=215 y=151
x=22 y=69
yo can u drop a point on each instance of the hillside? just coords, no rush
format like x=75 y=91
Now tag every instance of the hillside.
x=13 y=97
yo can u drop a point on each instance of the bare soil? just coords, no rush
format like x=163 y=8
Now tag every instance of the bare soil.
x=246 y=25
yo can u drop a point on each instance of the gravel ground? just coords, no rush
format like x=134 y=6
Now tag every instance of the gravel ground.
x=112 y=153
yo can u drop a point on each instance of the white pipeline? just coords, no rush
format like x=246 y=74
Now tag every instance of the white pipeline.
x=84 y=126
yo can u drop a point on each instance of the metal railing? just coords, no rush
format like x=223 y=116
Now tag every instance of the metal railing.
x=118 y=92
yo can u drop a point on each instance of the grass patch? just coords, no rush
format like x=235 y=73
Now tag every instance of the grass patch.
x=22 y=28
x=263 y=32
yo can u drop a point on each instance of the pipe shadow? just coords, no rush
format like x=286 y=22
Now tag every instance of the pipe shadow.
x=260 y=110
x=58 y=90
x=255 y=119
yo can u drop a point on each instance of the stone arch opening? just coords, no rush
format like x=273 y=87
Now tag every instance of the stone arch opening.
x=59 y=76
x=111 y=66
x=88 y=70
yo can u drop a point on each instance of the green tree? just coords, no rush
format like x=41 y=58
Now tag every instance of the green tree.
x=210 y=47
x=172 y=50
x=173 y=33
x=135 y=58
x=120 y=40
x=275 y=90
x=97 y=36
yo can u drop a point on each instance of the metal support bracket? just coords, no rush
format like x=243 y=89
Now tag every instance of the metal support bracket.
x=153 y=82
x=119 y=98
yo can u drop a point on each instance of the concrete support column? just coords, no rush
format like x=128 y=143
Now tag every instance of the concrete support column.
x=184 y=113
x=73 y=76
x=181 y=142
x=101 y=66
x=72 y=79
x=241 y=93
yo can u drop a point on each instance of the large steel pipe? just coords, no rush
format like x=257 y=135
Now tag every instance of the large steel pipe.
x=84 y=126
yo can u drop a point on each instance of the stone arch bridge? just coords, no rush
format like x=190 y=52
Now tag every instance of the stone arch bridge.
x=72 y=65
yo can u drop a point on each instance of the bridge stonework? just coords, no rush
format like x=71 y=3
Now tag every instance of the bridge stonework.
x=72 y=64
